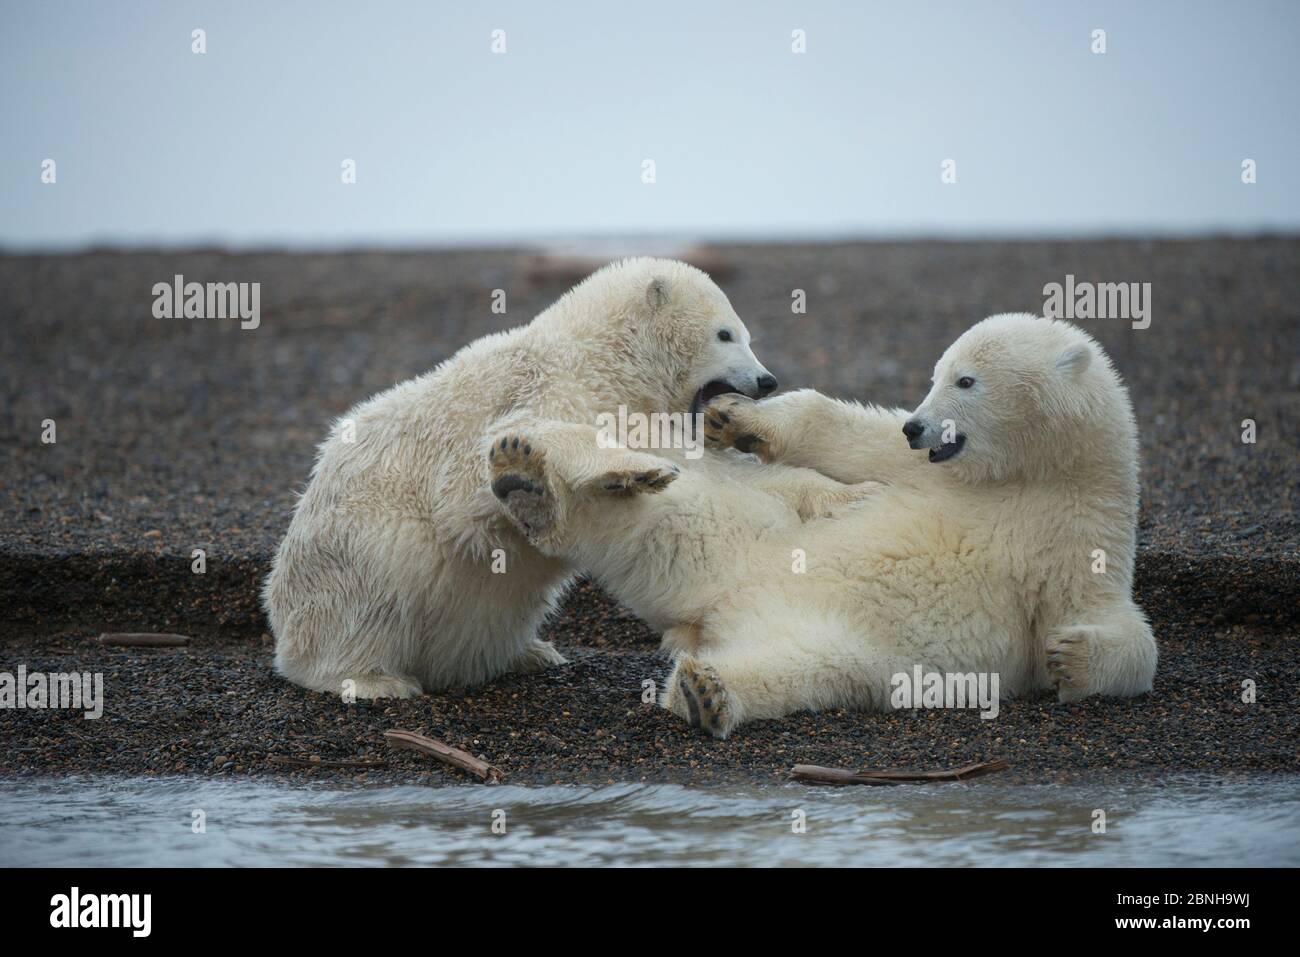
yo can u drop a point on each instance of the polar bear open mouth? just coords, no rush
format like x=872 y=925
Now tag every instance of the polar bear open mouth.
x=711 y=390
x=946 y=451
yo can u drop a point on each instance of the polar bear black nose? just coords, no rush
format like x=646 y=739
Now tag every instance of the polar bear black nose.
x=912 y=429
x=766 y=383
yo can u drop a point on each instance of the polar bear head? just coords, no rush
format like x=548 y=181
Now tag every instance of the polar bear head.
x=1018 y=396
x=669 y=330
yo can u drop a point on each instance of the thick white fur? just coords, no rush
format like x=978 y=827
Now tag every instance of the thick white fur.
x=982 y=563
x=385 y=575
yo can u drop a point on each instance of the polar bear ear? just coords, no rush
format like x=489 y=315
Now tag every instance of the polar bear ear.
x=656 y=295
x=1075 y=359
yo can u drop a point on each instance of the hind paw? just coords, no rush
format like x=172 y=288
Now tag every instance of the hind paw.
x=697 y=694
x=518 y=469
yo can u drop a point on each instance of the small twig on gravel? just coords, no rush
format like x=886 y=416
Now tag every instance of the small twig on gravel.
x=301 y=762
x=143 y=640
x=444 y=753
x=812 y=774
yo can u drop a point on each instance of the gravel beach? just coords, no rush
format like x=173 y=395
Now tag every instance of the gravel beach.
x=180 y=434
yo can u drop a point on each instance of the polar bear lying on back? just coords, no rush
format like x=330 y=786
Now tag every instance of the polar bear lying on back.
x=978 y=555
x=387 y=581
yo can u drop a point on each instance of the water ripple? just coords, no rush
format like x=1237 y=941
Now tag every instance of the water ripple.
x=128 y=822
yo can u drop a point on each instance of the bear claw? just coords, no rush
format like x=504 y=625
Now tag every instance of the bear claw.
x=645 y=481
x=705 y=698
x=730 y=421
x=519 y=481
x=1069 y=653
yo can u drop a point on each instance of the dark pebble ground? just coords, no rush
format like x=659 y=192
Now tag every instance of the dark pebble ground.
x=182 y=434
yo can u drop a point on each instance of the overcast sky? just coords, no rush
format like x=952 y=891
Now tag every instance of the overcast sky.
x=244 y=144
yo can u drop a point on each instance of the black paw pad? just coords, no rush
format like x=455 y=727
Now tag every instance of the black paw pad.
x=506 y=484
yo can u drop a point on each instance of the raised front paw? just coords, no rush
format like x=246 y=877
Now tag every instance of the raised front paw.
x=1069 y=661
x=697 y=695
x=733 y=421
x=518 y=470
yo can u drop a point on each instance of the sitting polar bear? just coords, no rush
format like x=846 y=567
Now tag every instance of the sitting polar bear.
x=399 y=572
x=1002 y=541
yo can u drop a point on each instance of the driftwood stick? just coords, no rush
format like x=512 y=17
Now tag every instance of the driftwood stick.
x=812 y=774
x=144 y=639
x=298 y=761
x=444 y=753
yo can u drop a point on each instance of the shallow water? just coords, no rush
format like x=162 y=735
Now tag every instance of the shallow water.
x=126 y=822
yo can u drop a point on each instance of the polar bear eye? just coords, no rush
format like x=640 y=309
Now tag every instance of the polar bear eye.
x=724 y=335
x=965 y=382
